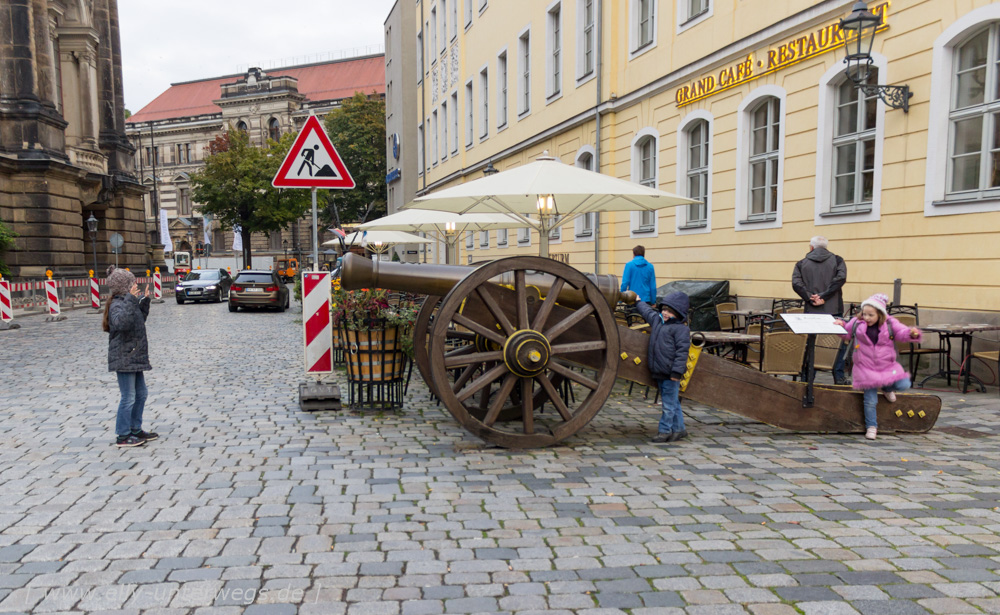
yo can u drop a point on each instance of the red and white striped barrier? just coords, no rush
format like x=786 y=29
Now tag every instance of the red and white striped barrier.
x=157 y=286
x=6 y=306
x=316 y=325
x=52 y=297
x=95 y=294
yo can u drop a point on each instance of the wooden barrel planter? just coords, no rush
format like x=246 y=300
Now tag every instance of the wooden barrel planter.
x=376 y=365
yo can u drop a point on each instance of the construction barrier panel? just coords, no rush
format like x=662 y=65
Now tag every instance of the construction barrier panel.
x=6 y=307
x=31 y=297
x=316 y=324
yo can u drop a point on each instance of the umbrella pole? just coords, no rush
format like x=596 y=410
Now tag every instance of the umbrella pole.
x=543 y=235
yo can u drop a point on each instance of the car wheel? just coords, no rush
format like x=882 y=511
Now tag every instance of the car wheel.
x=288 y=302
x=233 y=307
x=218 y=297
x=180 y=301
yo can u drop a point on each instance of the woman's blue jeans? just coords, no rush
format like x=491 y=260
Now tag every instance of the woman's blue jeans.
x=871 y=400
x=672 y=418
x=133 y=389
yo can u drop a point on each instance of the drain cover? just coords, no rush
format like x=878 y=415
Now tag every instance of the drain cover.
x=962 y=432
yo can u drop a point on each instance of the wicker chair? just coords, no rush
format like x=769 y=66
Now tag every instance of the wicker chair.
x=783 y=353
x=727 y=322
x=988 y=356
x=826 y=352
x=909 y=315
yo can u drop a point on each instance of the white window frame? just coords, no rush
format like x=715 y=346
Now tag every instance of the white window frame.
x=583 y=226
x=686 y=21
x=582 y=39
x=503 y=81
x=434 y=137
x=502 y=238
x=432 y=27
x=468 y=13
x=444 y=130
x=742 y=199
x=483 y=5
x=454 y=19
x=524 y=73
x=454 y=122
x=937 y=176
x=554 y=40
x=827 y=109
x=420 y=56
x=470 y=115
x=634 y=48
x=683 y=143
x=444 y=24
x=470 y=240
x=484 y=239
x=524 y=236
x=420 y=149
x=636 y=227
x=484 y=102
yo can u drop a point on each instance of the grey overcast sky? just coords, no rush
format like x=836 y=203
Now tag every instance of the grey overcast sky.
x=183 y=40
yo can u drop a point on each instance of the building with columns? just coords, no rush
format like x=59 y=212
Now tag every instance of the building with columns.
x=743 y=105
x=171 y=135
x=64 y=155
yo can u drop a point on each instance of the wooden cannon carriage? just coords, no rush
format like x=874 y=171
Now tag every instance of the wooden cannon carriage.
x=500 y=342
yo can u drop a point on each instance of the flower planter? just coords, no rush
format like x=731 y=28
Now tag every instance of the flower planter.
x=376 y=364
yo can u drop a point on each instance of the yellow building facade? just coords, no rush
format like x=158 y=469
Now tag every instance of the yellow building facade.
x=744 y=105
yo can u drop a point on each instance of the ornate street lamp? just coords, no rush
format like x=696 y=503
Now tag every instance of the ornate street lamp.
x=859 y=36
x=92 y=230
x=490 y=169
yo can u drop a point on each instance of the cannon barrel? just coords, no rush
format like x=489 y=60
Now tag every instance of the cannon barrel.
x=359 y=272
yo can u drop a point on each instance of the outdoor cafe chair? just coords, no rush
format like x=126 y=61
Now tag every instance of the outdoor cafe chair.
x=782 y=352
x=987 y=356
x=826 y=352
x=909 y=315
x=727 y=322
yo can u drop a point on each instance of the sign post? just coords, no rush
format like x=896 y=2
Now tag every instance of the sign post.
x=811 y=325
x=313 y=162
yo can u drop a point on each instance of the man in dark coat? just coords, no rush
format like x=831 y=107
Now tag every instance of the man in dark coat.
x=818 y=279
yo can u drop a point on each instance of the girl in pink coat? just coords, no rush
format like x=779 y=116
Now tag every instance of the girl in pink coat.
x=875 y=364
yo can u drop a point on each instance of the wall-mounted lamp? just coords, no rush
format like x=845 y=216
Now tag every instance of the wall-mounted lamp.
x=490 y=169
x=859 y=36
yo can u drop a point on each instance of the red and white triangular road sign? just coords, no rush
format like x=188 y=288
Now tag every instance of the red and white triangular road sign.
x=313 y=162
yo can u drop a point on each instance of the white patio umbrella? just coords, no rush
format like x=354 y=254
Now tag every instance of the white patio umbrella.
x=448 y=227
x=377 y=241
x=555 y=192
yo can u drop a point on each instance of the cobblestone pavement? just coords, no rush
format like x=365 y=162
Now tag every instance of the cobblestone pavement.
x=247 y=504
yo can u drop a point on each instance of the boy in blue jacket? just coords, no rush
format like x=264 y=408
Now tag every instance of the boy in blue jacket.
x=669 y=341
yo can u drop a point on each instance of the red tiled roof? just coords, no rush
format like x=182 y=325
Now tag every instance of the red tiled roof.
x=326 y=81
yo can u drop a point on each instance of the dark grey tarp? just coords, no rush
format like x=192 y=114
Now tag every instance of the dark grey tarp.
x=703 y=295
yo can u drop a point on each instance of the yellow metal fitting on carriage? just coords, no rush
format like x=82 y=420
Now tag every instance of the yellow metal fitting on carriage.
x=911 y=413
x=921 y=414
x=693 y=353
x=899 y=413
x=637 y=360
x=624 y=355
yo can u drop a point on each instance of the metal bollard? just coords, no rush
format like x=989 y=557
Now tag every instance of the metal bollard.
x=897 y=290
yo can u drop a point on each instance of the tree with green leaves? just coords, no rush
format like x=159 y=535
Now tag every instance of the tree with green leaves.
x=357 y=130
x=235 y=187
x=6 y=243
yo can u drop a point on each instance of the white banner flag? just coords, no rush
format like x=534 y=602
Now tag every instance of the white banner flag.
x=208 y=229
x=168 y=246
x=237 y=239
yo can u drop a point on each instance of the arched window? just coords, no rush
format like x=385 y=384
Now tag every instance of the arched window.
x=854 y=147
x=584 y=225
x=645 y=171
x=242 y=126
x=697 y=172
x=765 y=140
x=273 y=129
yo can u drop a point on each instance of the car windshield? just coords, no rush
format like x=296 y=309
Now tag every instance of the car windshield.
x=254 y=278
x=202 y=275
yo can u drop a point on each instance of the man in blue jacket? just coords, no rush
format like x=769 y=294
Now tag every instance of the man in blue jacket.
x=639 y=276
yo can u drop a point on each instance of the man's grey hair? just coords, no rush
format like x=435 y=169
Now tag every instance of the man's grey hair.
x=818 y=242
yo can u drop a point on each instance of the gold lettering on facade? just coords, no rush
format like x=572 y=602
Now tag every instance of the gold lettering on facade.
x=825 y=39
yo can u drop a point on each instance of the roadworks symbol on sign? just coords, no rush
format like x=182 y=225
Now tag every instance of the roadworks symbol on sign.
x=313 y=162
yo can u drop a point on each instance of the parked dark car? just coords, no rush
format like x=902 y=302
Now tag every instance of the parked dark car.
x=204 y=285
x=258 y=289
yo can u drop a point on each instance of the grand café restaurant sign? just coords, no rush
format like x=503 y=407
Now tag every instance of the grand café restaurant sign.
x=764 y=62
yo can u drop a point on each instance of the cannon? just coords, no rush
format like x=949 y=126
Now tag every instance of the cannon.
x=524 y=351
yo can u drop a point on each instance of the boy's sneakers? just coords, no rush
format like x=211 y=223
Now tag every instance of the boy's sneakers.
x=890 y=396
x=129 y=440
x=871 y=432
x=678 y=435
x=145 y=435
x=663 y=437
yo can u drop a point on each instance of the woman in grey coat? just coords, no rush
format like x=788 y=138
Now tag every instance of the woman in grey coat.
x=128 y=353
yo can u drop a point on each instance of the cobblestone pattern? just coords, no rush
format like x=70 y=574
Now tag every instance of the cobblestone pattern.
x=248 y=505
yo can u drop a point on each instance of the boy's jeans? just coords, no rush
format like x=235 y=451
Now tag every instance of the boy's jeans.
x=871 y=400
x=672 y=418
x=133 y=388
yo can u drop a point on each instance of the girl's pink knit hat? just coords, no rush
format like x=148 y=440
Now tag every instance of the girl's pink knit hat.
x=879 y=301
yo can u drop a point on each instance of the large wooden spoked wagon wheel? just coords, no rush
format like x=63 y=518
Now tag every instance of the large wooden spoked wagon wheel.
x=526 y=346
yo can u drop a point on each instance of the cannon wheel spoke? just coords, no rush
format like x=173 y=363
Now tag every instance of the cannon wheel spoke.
x=506 y=408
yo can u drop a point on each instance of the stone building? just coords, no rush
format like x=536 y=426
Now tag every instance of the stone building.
x=172 y=133
x=64 y=154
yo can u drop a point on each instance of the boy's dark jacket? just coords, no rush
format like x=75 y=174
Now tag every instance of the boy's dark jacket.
x=668 y=341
